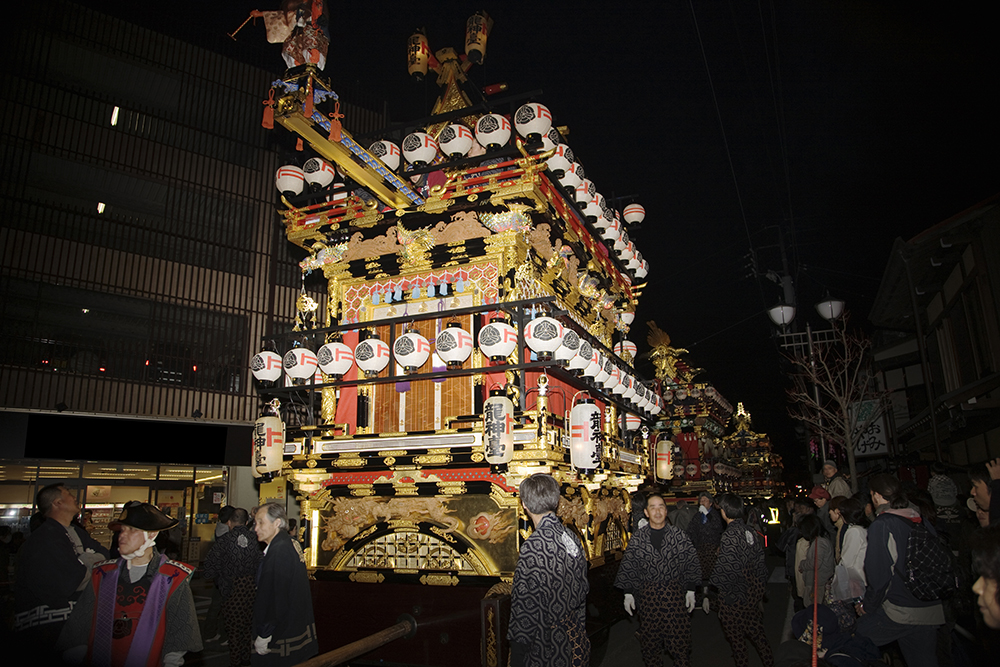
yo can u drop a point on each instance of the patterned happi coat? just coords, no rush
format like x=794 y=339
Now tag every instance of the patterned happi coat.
x=740 y=572
x=549 y=596
x=659 y=580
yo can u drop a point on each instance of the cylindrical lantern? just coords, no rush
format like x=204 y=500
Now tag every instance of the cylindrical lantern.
x=634 y=213
x=582 y=358
x=592 y=208
x=626 y=349
x=266 y=366
x=453 y=345
x=628 y=391
x=497 y=339
x=593 y=367
x=335 y=359
x=477 y=29
x=585 y=436
x=493 y=131
x=300 y=363
x=544 y=336
x=614 y=376
x=620 y=388
x=417 y=55
x=560 y=161
x=603 y=372
x=568 y=349
x=533 y=121
x=419 y=149
x=290 y=180
x=372 y=355
x=455 y=140
x=411 y=350
x=318 y=173
x=388 y=152
x=498 y=428
x=268 y=445
x=572 y=177
x=664 y=469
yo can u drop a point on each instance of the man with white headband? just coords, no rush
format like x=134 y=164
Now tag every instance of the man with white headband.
x=139 y=609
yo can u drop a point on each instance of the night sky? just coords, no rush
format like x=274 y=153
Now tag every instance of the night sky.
x=845 y=123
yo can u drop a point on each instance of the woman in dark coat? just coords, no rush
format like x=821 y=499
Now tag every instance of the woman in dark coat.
x=283 y=623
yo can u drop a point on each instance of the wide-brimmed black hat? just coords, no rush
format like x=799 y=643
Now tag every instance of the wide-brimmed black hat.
x=146 y=517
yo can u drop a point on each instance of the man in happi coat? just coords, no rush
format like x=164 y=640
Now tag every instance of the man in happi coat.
x=741 y=575
x=705 y=531
x=284 y=629
x=658 y=573
x=138 y=609
x=549 y=593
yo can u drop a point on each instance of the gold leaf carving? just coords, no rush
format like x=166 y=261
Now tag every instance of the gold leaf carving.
x=438 y=580
x=367 y=577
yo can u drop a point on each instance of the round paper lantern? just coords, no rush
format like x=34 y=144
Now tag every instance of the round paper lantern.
x=266 y=366
x=593 y=367
x=620 y=388
x=663 y=467
x=614 y=376
x=498 y=428
x=582 y=358
x=455 y=140
x=318 y=173
x=592 y=208
x=612 y=232
x=584 y=192
x=386 y=151
x=560 y=161
x=554 y=137
x=621 y=242
x=678 y=471
x=567 y=351
x=627 y=317
x=371 y=355
x=411 y=351
x=544 y=336
x=632 y=422
x=493 y=131
x=497 y=339
x=300 y=363
x=626 y=349
x=691 y=469
x=642 y=270
x=453 y=345
x=634 y=213
x=419 y=149
x=532 y=121
x=603 y=221
x=335 y=359
x=628 y=383
x=571 y=178
x=603 y=373
x=680 y=394
x=268 y=445
x=290 y=180
x=585 y=436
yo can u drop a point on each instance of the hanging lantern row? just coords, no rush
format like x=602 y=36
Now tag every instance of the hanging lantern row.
x=314 y=175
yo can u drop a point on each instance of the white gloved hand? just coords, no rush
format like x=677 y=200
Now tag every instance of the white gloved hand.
x=260 y=644
x=689 y=601
x=90 y=558
x=629 y=603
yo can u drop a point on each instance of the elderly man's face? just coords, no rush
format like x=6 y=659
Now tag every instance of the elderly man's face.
x=705 y=501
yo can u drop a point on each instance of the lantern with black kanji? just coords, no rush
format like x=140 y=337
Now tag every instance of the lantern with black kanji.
x=585 y=436
x=498 y=429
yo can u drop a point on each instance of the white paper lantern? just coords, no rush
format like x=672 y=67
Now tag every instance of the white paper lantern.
x=300 y=363
x=497 y=339
x=568 y=349
x=533 y=120
x=544 y=336
x=388 y=152
x=493 y=131
x=453 y=345
x=585 y=191
x=582 y=358
x=603 y=372
x=614 y=377
x=411 y=350
x=290 y=180
x=626 y=349
x=455 y=140
x=592 y=208
x=268 y=445
x=612 y=232
x=631 y=422
x=560 y=161
x=627 y=382
x=585 y=436
x=498 y=428
x=419 y=149
x=634 y=213
x=571 y=178
x=593 y=367
x=620 y=388
x=642 y=270
x=266 y=366
x=335 y=359
x=371 y=355
x=318 y=173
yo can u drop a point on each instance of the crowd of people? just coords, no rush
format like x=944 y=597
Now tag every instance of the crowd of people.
x=77 y=603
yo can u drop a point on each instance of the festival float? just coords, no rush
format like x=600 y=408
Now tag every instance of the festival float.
x=479 y=291
x=750 y=467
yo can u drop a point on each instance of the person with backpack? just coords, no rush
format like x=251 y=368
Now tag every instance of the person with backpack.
x=900 y=566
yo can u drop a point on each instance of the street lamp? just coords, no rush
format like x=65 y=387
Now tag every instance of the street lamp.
x=782 y=314
x=829 y=308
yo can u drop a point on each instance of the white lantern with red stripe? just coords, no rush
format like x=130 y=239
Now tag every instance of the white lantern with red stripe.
x=532 y=121
x=544 y=336
x=497 y=339
x=569 y=347
x=318 y=173
x=631 y=422
x=498 y=428
x=290 y=180
x=585 y=191
x=560 y=161
x=614 y=376
x=603 y=372
x=634 y=213
x=612 y=232
x=572 y=177
x=411 y=350
x=582 y=358
x=455 y=140
x=592 y=208
x=593 y=367
x=335 y=359
x=372 y=355
x=300 y=363
x=493 y=131
x=626 y=349
x=663 y=468
x=453 y=345
x=266 y=366
x=419 y=149
x=268 y=445
x=386 y=151
x=585 y=436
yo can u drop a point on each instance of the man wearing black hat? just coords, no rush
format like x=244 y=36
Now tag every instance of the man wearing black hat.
x=139 y=608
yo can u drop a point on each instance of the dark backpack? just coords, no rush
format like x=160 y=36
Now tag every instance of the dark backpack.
x=929 y=572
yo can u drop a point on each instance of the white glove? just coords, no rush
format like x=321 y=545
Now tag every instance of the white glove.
x=629 y=603
x=260 y=644
x=175 y=659
x=90 y=558
x=689 y=601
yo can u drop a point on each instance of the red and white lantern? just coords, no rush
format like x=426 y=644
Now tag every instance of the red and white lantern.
x=634 y=213
x=664 y=470
x=268 y=445
x=497 y=339
x=455 y=140
x=498 y=428
x=300 y=363
x=266 y=366
x=453 y=345
x=318 y=173
x=493 y=131
x=419 y=149
x=412 y=351
x=335 y=359
x=585 y=436
x=533 y=121
x=372 y=355
x=544 y=336
x=388 y=152
x=290 y=180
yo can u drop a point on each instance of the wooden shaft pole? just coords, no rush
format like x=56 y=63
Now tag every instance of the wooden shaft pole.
x=341 y=655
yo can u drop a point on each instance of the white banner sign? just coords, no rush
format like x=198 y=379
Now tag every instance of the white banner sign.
x=871 y=442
